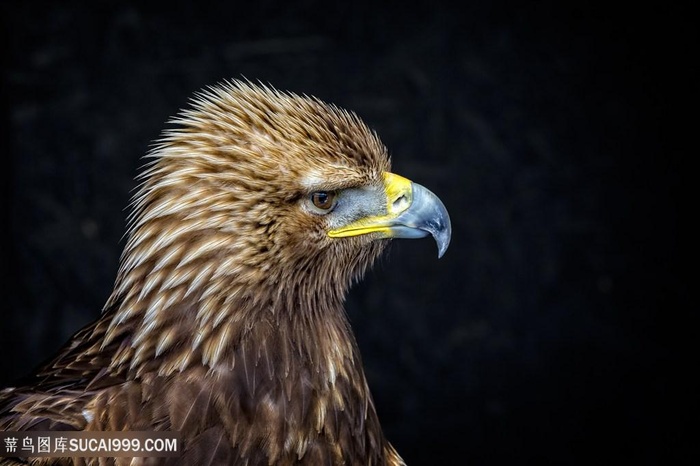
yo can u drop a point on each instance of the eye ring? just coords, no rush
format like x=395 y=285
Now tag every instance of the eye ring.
x=324 y=201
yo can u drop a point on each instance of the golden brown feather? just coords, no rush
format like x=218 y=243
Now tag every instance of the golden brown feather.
x=226 y=322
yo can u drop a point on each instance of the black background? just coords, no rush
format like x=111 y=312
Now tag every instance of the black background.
x=554 y=331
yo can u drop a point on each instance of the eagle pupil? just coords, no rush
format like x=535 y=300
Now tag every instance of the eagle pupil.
x=322 y=199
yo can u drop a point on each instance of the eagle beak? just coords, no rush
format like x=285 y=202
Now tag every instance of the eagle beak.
x=412 y=211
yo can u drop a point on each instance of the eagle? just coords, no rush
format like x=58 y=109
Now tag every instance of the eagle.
x=256 y=211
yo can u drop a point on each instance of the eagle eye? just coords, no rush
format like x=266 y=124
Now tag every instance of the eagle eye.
x=324 y=201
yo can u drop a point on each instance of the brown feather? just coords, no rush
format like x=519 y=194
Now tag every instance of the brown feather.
x=226 y=322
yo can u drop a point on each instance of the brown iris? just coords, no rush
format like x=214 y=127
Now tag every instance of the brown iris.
x=323 y=200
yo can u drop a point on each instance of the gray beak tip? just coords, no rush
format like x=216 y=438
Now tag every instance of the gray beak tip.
x=426 y=215
x=442 y=234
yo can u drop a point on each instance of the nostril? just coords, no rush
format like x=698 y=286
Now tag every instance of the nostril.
x=400 y=201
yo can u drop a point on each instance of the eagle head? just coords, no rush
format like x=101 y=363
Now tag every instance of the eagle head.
x=256 y=189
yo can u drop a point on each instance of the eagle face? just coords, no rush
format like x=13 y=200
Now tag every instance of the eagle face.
x=256 y=212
